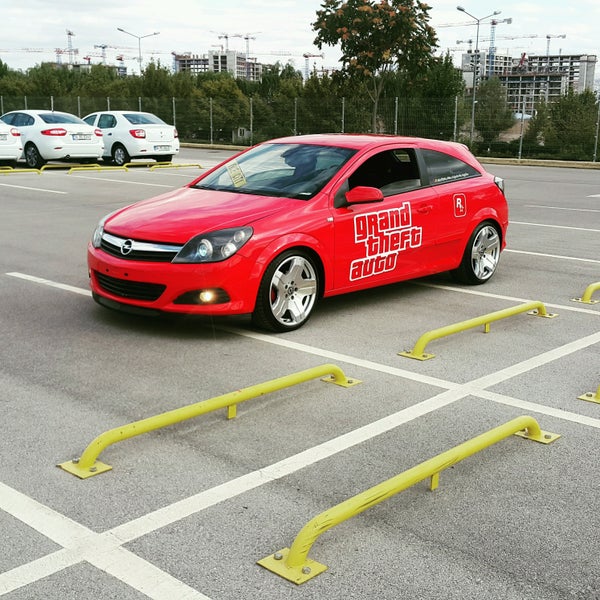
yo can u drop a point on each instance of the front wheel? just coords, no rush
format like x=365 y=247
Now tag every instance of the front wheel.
x=481 y=256
x=287 y=293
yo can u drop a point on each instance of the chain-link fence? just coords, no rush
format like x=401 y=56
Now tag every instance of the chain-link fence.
x=246 y=121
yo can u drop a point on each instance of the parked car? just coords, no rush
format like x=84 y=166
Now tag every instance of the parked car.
x=130 y=134
x=11 y=145
x=275 y=228
x=52 y=135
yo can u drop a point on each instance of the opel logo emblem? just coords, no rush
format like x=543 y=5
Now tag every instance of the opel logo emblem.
x=127 y=247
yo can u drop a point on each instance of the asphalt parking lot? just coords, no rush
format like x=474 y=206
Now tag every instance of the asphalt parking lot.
x=188 y=510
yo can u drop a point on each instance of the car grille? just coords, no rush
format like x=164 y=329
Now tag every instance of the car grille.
x=135 y=290
x=142 y=251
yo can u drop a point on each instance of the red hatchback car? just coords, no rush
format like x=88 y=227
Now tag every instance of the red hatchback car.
x=275 y=228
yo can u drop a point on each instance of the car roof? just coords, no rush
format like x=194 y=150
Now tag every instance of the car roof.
x=122 y=112
x=38 y=111
x=361 y=140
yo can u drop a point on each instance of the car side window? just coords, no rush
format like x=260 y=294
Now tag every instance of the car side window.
x=107 y=121
x=90 y=120
x=443 y=168
x=8 y=119
x=393 y=172
x=22 y=120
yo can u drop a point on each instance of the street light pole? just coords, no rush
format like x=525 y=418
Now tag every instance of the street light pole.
x=139 y=39
x=475 y=64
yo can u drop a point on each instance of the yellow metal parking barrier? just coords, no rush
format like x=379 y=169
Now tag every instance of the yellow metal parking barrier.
x=591 y=397
x=145 y=163
x=293 y=563
x=174 y=166
x=87 y=465
x=418 y=352
x=587 y=294
x=11 y=171
x=96 y=168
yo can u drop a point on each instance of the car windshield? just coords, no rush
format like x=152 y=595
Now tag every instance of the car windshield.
x=143 y=119
x=59 y=118
x=286 y=170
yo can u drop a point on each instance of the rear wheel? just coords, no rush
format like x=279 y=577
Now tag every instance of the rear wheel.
x=119 y=154
x=287 y=293
x=33 y=158
x=481 y=256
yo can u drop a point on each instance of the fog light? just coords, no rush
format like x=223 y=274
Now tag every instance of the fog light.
x=204 y=296
x=207 y=296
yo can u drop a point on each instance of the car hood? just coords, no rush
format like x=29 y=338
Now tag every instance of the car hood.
x=177 y=216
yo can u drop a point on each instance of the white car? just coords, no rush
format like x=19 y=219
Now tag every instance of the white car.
x=130 y=134
x=51 y=135
x=11 y=145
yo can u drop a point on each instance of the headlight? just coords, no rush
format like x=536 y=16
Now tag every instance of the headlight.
x=214 y=246
x=97 y=235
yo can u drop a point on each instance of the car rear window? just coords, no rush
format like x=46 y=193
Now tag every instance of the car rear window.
x=59 y=118
x=143 y=119
x=443 y=168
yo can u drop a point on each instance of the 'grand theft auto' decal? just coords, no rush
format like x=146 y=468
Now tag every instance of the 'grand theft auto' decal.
x=384 y=235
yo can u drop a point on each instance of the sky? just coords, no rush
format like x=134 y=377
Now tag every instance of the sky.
x=31 y=30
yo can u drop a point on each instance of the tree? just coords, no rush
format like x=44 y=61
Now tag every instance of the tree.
x=572 y=125
x=377 y=37
x=492 y=113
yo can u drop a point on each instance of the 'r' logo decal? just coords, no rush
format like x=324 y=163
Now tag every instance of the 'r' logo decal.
x=460 y=205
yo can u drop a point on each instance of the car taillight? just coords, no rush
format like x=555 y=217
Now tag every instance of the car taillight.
x=98 y=132
x=15 y=132
x=56 y=131
x=175 y=134
x=138 y=133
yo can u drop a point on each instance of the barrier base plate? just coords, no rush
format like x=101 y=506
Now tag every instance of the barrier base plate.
x=276 y=564
x=71 y=466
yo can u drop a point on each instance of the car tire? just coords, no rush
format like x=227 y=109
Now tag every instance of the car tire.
x=119 y=154
x=33 y=158
x=288 y=292
x=481 y=256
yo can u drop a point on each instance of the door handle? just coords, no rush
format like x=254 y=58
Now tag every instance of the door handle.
x=424 y=209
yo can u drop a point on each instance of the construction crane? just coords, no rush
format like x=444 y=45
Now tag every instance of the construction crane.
x=548 y=38
x=492 y=51
x=306 y=56
x=70 y=50
x=248 y=37
x=225 y=36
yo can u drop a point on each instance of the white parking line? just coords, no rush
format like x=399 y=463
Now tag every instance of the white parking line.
x=54 y=284
x=82 y=544
x=105 y=550
x=32 y=189
x=554 y=226
x=122 y=181
x=562 y=207
x=591 y=260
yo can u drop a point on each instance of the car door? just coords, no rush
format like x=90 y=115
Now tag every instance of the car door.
x=461 y=191
x=389 y=240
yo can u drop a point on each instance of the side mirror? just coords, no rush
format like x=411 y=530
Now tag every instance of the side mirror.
x=362 y=194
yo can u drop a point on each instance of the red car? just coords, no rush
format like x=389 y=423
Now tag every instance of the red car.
x=275 y=228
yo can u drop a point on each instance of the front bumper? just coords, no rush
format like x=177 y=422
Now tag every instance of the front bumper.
x=173 y=288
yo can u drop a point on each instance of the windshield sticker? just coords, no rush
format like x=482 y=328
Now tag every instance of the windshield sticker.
x=236 y=174
x=384 y=235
